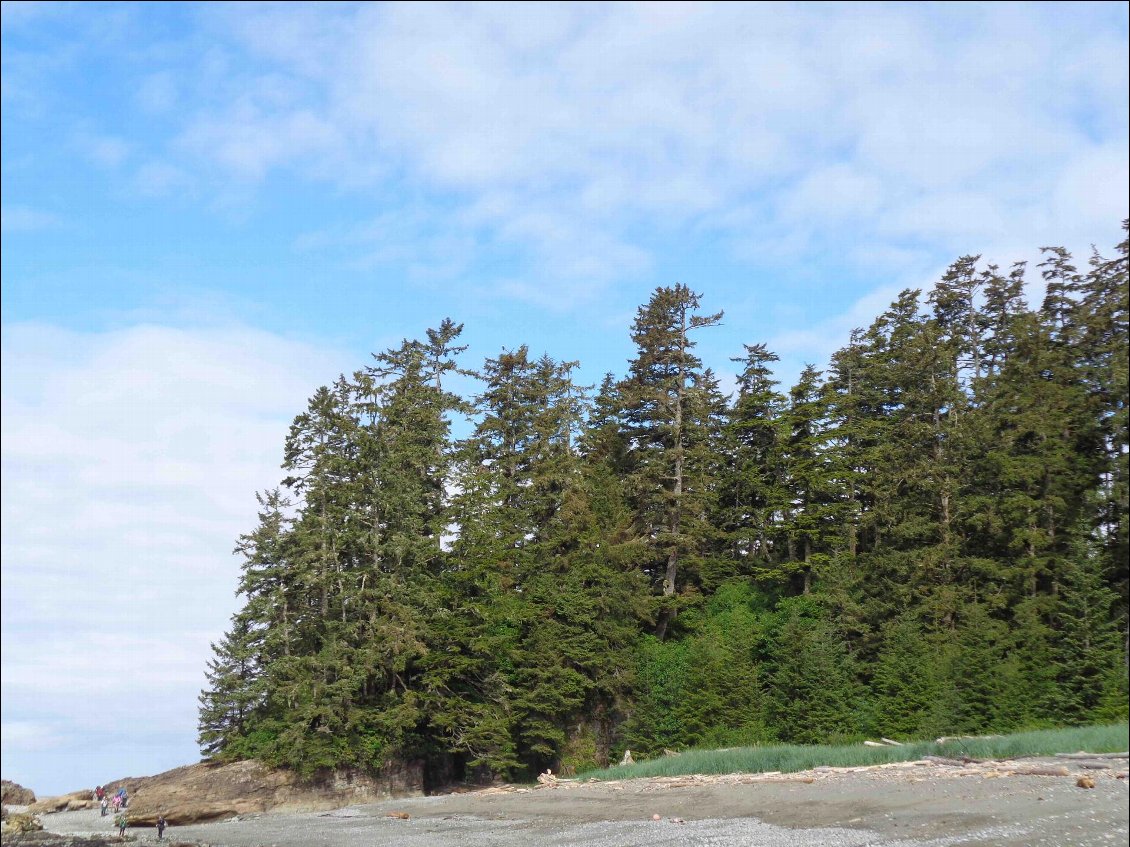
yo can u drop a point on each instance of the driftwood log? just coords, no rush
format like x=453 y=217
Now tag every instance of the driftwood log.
x=1092 y=755
x=1042 y=772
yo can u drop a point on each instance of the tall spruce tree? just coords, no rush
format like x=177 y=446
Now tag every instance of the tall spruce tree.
x=663 y=389
x=232 y=695
x=815 y=502
x=1104 y=316
x=752 y=487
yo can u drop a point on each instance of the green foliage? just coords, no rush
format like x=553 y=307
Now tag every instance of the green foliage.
x=1087 y=662
x=972 y=687
x=580 y=751
x=790 y=758
x=927 y=537
x=905 y=683
x=810 y=683
x=704 y=688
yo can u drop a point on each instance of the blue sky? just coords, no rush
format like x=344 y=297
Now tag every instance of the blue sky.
x=209 y=210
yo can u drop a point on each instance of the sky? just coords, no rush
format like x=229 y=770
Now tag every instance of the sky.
x=210 y=210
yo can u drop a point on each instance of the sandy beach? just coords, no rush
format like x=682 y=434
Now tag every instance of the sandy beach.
x=893 y=805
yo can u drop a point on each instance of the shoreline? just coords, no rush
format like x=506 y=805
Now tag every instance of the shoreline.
x=909 y=805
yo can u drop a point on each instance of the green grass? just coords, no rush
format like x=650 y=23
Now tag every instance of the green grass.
x=788 y=758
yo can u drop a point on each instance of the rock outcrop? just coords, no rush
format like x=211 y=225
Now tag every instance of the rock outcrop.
x=54 y=839
x=73 y=802
x=211 y=791
x=21 y=823
x=14 y=794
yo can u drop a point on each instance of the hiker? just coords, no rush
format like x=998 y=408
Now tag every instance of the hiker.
x=122 y=820
x=161 y=824
x=104 y=805
x=116 y=803
x=99 y=793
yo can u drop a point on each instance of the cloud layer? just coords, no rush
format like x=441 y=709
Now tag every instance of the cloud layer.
x=578 y=143
x=583 y=134
x=130 y=461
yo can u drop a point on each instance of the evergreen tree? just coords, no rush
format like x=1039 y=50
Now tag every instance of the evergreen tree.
x=972 y=686
x=905 y=684
x=752 y=487
x=811 y=693
x=1088 y=658
x=232 y=694
x=1104 y=313
x=658 y=398
x=815 y=502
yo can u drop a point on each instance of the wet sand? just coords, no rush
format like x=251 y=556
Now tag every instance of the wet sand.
x=906 y=806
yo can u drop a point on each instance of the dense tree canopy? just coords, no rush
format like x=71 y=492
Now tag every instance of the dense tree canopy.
x=929 y=536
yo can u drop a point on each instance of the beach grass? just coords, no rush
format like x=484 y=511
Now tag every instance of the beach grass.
x=788 y=758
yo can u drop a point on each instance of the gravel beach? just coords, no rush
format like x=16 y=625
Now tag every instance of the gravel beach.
x=907 y=805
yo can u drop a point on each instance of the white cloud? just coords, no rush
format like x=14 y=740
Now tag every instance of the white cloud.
x=566 y=131
x=24 y=219
x=407 y=236
x=1092 y=189
x=130 y=462
x=250 y=141
x=16 y=12
x=582 y=140
x=815 y=343
x=158 y=178
x=157 y=93
x=107 y=151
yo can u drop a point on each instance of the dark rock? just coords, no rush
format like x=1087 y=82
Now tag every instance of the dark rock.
x=14 y=794
x=210 y=791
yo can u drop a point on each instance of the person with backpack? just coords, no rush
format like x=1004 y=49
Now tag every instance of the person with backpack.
x=161 y=824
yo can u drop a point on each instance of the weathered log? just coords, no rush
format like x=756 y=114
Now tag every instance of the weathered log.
x=1082 y=755
x=1094 y=766
x=943 y=739
x=941 y=760
x=873 y=744
x=891 y=742
x=1041 y=772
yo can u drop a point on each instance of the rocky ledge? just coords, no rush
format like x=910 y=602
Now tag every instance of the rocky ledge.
x=73 y=802
x=14 y=794
x=210 y=791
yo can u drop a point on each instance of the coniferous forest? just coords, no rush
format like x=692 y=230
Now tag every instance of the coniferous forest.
x=927 y=536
